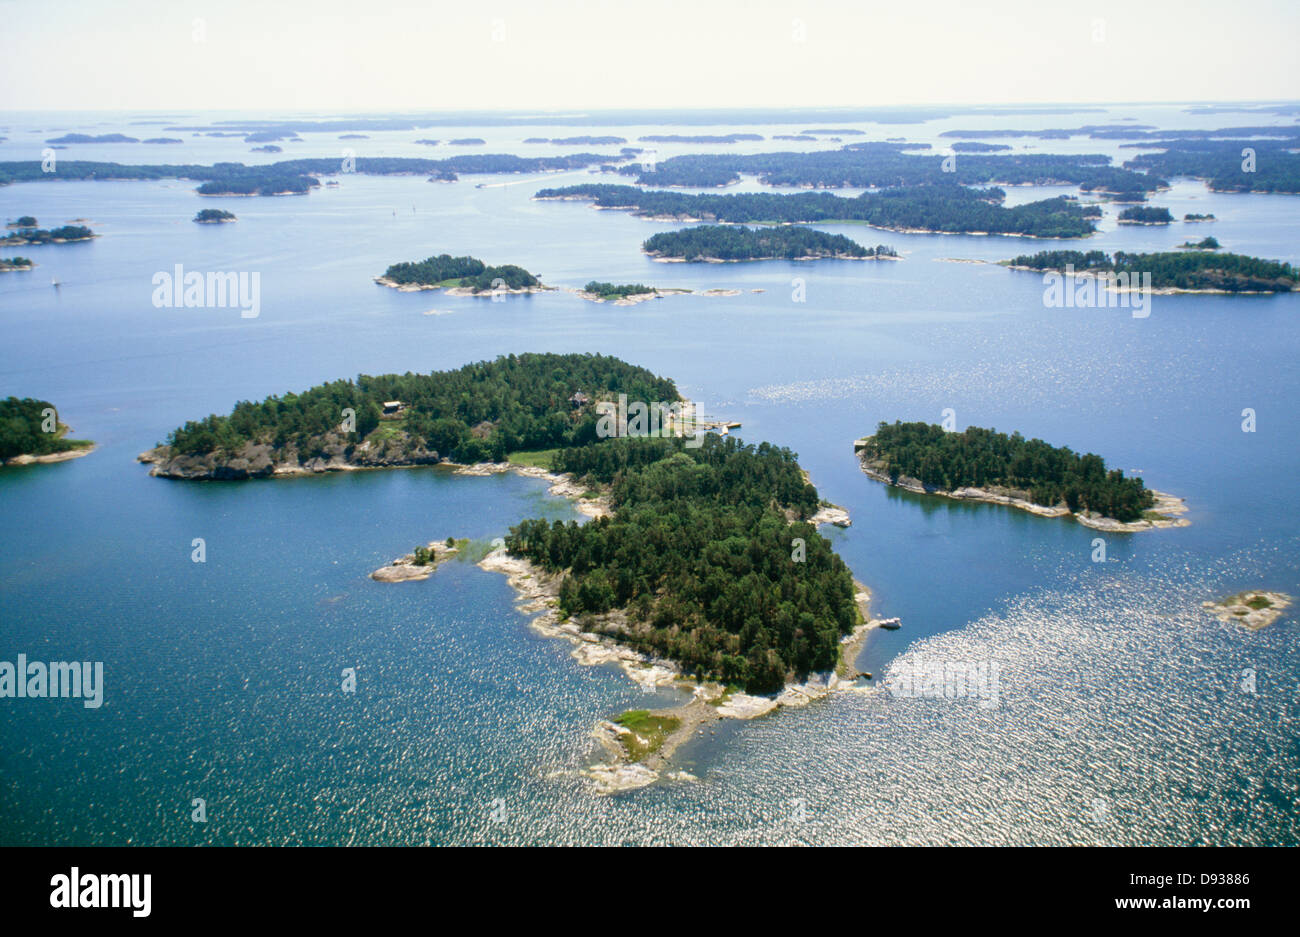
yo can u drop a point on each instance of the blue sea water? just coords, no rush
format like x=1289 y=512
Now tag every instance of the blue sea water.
x=1127 y=715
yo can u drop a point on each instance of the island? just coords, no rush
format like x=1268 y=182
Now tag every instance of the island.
x=1171 y=271
x=22 y=221
x=90 y=138
x=728 y=243
x=214 y=216
x=65 y=234
x=30 y=432
x=267 y=148
x=699 y=138
x=459 y=276
x=932 y=209
x=1145 y=214
x=1195 y=217
x=1252 y=610
x=624 y=294
x=984 y=465
x=419 y=564
x=8 y=264
x=468 y=141
x=479 y=413
x=1204 y=244
x=254 y=180
x=158 y=140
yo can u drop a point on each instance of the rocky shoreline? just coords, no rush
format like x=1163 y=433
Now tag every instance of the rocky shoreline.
x=1253 y=609
x=1166 y=509
x=406 y=569
x=64 y=456
x=457 y=290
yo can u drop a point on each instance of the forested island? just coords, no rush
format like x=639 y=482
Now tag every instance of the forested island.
x=468 y=274
x=1181 y=271
x=22 y=221
x=259 y=180
x=1144 y=214
x=8 y=264
x=985 y=465
x=30 y=431
x=65 y=234
x=477 y=413
x=736 y=242
x=1192 y=216
x=699 y=138
x=1204 y=244
x=214 y=216
x=925 y=208
x=1270 y=165
x=89 y=138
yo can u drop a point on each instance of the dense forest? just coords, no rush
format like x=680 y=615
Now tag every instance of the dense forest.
x=213 y=216
x=1184 y=270
x=949 y=208
x=736 y=242
x=1222 y=164
x=15 y=263
x=68 y=232
x=466 y=272
x=699 y=553
x=876 y=164
x=981 y=458
x=22 y=430
x=479 y=412
x=1145 y=214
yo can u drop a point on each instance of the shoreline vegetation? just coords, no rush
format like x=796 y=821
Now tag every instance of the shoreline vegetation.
x=985 y=465
x=13 y=264
x=1177 y=271
x=66 y=234
x=735 y=243
x=932 y=208
x=31 y=434
x=214 y=216
x=625 y=294
x=459 y=276
x=1252 y=610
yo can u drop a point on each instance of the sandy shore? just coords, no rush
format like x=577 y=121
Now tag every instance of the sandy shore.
x=51 y=457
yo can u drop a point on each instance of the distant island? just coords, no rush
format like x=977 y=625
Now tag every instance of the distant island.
x=65 y=234
x=985 y=465
x=267 y=148
x=1204 y=244
x=459 y=275
x=30 y=432
x=1173 y=271
x=254 y=180
x=88 y=138
x=582 y=141
x=838 y=132
x=1195 y=217
x=736 y=243
x=699 y=138
x=1145 y=214
x=939 y=209
x=973 y=146
x=22 y=221
x=214 y=216
x=478 y=413
x=8 y=264
x=468 y=141
x=158 y=140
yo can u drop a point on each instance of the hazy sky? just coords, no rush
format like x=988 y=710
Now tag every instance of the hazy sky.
x=501 y=54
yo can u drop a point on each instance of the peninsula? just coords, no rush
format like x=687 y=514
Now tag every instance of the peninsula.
x=30 y=432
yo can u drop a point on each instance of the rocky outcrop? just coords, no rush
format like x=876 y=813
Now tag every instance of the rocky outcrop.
x=261 y=460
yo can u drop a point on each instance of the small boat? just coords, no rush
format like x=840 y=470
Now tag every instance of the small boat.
x=892 y=624
x=54 y=283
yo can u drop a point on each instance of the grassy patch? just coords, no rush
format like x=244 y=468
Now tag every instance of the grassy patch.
x=1257 y=602
x=647 y=732
x=538 y=458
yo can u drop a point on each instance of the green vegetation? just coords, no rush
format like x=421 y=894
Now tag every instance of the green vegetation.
x=479 y=412
x=616 y=291
x=15 y=263
x=1195 y=217
x=647 y=732
x=23 y=429
x=23 y=221
x=736 y=242
x=1258 y=602
x=1204 y=244
x=213 y=215
x=983 y=458
x=1144 y=214
x=1183 y=270
x=68 y=232
x=698 y=554
x=467 y=272
x=1223 y=165
x=540 y=458
x=948 y=208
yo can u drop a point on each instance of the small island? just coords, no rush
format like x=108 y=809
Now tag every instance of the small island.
x=214 y=216
x=23 y=221
x=624 y=294
x=1195 y=217
x=65 y=234
x=699 y=138
x=1145 y=214
x=1252 y=610
x=468 y=141
x=730 y=243
x=1200 y=271
x=1204 y=244
x=30 y=432
x=420 y=564
x=9 y=264
x=90 y=138
x=459 y=276
x=985 y=465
